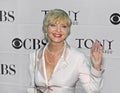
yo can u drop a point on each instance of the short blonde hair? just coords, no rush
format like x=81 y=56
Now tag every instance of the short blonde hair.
x=56 y=15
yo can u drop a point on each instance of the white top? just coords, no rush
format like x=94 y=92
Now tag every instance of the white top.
x=72 y=67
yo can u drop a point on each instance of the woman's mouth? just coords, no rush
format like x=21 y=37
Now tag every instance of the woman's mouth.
x=57 y=35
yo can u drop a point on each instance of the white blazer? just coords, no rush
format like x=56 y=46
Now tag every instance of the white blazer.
x=72 y=67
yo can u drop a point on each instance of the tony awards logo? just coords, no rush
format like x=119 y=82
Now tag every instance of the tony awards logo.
x=73 y=15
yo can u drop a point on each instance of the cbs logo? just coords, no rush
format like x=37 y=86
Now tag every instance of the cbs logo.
x=28 y=43
x=115 y=18
x=7 y=16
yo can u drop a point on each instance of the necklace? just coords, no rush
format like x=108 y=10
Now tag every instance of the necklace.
x=54 y=53
x=52 y=63
x=48 y=60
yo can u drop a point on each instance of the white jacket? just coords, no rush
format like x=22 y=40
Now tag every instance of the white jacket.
x=72 y=67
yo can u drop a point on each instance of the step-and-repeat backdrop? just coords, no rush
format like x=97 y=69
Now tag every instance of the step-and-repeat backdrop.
x=21 y=33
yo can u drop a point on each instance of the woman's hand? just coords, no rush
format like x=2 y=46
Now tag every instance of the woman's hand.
x=96 y=55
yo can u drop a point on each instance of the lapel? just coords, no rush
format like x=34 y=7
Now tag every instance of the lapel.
x=40 y=62
x=63 y=62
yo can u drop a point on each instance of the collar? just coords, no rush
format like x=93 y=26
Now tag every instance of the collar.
x=65 y=54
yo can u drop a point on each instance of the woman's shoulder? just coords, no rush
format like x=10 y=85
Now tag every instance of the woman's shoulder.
x=37 y=52
x=34 y=54
x=77 y=51
x=78 y=56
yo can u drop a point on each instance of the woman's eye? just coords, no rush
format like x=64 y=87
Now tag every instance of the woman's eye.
x=64 y=26
x=52 y=25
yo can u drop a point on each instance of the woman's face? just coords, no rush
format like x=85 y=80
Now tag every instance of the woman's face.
x=57 y=32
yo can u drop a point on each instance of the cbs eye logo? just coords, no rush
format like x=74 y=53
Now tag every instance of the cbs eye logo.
x=17 y=43
x=115 y=18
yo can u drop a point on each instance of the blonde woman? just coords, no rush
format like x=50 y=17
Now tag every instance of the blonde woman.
x=57 y=67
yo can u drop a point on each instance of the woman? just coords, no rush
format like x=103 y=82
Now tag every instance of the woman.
x=57 y=67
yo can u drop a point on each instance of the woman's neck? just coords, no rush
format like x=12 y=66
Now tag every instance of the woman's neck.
x=55 y=47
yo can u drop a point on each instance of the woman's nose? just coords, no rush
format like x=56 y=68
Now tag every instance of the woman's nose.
x=58 y=28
